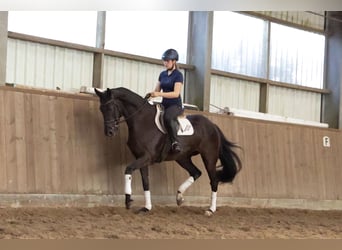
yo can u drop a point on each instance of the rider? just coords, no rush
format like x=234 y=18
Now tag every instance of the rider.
x=169 y=87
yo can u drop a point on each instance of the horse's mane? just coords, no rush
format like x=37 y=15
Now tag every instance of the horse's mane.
x=125 y=95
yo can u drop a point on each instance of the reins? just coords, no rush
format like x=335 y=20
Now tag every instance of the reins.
x=118 y=121
x=135 y=112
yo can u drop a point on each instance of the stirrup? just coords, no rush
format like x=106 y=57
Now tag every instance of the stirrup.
x=175 y=146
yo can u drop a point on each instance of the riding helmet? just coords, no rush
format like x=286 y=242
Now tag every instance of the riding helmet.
x=170 y=54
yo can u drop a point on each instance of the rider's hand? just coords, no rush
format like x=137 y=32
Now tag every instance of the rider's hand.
x=155 y=94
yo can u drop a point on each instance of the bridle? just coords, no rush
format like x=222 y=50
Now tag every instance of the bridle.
x=114 y=121
x=117 y=121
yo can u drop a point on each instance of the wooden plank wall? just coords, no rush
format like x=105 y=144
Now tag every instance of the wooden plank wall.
x=53 y=143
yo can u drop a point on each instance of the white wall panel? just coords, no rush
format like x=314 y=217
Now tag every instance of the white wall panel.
x=299 y=17
x=294 y=103
x=46 y=66
x=234 y=93
x=244 y=95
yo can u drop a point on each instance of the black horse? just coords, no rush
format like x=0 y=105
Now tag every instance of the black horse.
x=149 y=145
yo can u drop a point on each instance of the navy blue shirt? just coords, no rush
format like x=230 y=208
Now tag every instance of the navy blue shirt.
x=167 y=84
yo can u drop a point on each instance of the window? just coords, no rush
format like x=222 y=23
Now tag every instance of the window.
x=147 y=33
x=70 y=26
x=239 y=44
x=296 y=56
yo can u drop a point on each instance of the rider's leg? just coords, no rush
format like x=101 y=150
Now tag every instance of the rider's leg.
x=170 y=120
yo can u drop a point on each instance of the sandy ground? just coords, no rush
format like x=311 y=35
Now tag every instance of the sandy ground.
x=166 y=222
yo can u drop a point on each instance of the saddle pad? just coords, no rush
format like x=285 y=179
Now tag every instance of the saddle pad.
x=185 y=126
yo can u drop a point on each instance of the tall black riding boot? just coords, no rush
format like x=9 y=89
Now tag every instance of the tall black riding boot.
x=175 y=145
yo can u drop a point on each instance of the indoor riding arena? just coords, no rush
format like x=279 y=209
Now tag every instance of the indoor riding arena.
x=271 y=81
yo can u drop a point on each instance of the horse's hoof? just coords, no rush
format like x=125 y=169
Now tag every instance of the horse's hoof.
x=128 y=201
x=129 y=204
x=143 y=210
x=179 y=199
x=208 y=213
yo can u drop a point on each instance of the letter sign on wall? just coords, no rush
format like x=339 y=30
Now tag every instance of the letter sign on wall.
x=326 y=141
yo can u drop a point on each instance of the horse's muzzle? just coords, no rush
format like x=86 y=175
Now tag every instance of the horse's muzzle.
x=111 y=130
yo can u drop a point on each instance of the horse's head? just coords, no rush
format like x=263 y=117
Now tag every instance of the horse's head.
x=110 y=111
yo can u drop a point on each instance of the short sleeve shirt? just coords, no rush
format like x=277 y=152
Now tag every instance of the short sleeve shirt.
x=167 y=84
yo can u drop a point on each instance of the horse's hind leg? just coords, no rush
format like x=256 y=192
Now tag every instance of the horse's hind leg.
x=210 y=165
x=194 y=173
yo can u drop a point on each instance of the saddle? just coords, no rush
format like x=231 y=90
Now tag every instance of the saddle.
x=184 y=125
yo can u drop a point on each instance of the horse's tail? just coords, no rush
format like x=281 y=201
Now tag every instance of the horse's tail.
x=230 y=161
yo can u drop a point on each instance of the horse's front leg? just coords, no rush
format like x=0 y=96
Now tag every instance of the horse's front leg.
x=142 y=164
x=146 y=187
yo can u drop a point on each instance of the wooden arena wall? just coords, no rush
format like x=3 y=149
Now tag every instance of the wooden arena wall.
x=53 y=143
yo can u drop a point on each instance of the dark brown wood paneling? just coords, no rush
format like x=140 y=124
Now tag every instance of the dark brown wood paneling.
x=283 y=160
x=55 y=144
x=10 y=142
x=3 y=154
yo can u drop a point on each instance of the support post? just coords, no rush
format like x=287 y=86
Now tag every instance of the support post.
x=3 y=45
x=263 y=101
x=197 y=89
x=100 y=43
x=332 y=103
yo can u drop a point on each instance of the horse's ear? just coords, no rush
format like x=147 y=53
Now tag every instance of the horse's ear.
x=98 y=92
x=109 y=93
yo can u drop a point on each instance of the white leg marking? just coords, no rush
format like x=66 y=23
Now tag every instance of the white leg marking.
x=148 y=203
x=213 y=201
x=128 y=184
x=186 y=184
